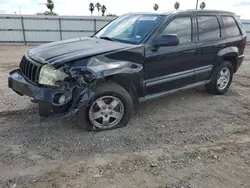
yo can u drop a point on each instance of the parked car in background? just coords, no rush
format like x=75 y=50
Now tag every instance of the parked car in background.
x=135 y=58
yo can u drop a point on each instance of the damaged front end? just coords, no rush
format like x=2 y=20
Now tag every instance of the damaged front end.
x=73 y=89
x=63 y=99
x=62 y=89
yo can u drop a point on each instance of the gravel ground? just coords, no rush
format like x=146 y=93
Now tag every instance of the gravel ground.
x=191 y=139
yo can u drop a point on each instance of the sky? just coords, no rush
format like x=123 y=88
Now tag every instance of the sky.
x=119 y=7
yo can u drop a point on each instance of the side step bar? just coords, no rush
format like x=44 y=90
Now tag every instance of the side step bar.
x=165 y=93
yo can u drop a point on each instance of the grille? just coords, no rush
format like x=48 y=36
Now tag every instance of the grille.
x=30 y=69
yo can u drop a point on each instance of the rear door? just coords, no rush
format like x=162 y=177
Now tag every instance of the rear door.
x=210 y=39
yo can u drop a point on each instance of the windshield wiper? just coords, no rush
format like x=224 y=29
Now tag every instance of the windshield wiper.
x=107 y=38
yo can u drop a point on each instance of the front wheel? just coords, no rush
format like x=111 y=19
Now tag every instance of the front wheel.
x=221 y=79
x=111 y=108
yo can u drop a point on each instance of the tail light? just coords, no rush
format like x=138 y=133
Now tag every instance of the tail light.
x=244 y=42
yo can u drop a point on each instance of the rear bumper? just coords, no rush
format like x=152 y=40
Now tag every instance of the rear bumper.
x=46 y=97
x=239 y=61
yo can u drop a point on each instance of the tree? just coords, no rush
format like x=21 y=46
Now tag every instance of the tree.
x=50 y=5
x=91 y=8
x=202 y=5
x=98 y=6
x=177 y=5
x=103 y=9
x=156 y=7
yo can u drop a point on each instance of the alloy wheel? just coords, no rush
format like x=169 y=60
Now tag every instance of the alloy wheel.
x=223 y=78
x=106 y=112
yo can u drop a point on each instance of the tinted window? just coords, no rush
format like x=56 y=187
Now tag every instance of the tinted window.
x=232 y=29
x=180 y=26
x=208 y=27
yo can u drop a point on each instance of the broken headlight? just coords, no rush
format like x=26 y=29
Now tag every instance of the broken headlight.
x=50 y=75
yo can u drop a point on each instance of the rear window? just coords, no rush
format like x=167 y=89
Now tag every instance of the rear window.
x=208 y=27
x=232 y=29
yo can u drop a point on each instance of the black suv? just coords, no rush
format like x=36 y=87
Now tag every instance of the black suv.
x=135 y=58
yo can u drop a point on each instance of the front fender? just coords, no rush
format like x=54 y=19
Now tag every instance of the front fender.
x=88 y=72
x=101 y=67
x=125 y=67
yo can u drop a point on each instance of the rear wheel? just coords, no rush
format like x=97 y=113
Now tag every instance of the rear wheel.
x=111 y=108
x=221 y=79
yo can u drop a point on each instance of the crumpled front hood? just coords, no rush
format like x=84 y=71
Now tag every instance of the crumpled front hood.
x=68 y=50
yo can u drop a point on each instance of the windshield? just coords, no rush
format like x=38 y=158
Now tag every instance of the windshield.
x=130 y=28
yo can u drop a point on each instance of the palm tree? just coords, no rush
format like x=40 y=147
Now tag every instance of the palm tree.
x=91 y=8
x=103 y=9
x=177 y=5
x=98 y=6
x=156 y=7
x=50 y=5
x=202 y=5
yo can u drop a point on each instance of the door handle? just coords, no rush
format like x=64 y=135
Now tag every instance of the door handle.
x=189 y=52
x=221 y=46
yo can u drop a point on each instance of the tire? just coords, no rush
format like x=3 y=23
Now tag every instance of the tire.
x=213 y=86
x=103 y=91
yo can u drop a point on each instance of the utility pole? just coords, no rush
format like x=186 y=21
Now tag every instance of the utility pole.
x=20 y=11
x=197 y=2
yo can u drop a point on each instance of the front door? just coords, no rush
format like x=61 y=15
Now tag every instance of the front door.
x=170 y=68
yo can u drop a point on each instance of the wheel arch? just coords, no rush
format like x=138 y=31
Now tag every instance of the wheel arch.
x=233 y=60
x=230 y=54
x=126 y=82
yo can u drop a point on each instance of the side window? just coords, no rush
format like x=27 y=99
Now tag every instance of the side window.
x=232 y=29
x=208 y=28
x=182 y=27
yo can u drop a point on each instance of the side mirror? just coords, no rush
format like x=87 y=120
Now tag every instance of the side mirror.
x=166 y=40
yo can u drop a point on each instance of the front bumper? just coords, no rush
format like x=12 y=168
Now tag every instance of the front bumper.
x=46 y=97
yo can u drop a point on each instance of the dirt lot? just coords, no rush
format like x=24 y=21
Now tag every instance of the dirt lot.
x=188 y=140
